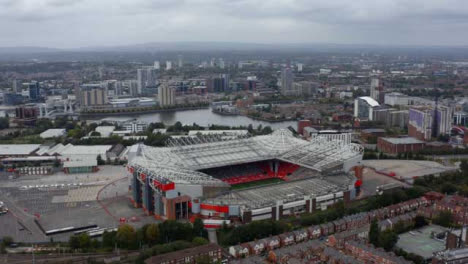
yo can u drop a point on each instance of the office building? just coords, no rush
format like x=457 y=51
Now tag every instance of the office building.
x=146 y=77
x=93 y=95
x=364 y=106
x=426 y=122
x=156 y=65
x=12 y=99
x=305 y=88
x=17 y=86
x=377 y=90
x=299 y=67
x=180 y=61
x=34 y=91
x=133 y=87
x=221 y=63
x=168 y=65
x=390 y=117
x=166 y=95
x=395 y=99
x=287 y=79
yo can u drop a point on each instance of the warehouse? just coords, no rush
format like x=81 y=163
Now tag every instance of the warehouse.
x=80 y=166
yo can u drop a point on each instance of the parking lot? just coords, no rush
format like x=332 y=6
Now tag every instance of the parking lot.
x=62 y=200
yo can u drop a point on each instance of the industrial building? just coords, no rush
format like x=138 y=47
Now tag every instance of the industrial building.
x=193 y=175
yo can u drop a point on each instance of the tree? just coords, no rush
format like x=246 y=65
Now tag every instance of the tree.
x=419 y=221
x=100 y=161
x=108 y=239
x=464 y=167
x=126 y=236
x=4 y=122
x=95 y=134
x=444 y=218
x=85 y=241
x=198 y=228
x=7 y=241
x=374 y=233
x=199 y=241
x=388 y=239
x=74 y=242
x=152 y=234
x=448 y=188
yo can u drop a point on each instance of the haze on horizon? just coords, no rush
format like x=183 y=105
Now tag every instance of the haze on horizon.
x=85 y=23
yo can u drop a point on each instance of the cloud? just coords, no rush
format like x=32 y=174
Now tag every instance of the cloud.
x=71 y=23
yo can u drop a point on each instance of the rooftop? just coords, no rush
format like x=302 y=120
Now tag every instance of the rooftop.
x=371 y=101
x=18 y=149
x=53 y=132
x=420 y=242
x=404 y=140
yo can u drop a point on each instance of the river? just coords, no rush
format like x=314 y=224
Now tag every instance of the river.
x=203 y=117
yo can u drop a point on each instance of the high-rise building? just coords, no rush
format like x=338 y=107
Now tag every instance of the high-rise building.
x=34 y=91
x=156 y=65
x=146 y=77
x=287 y=78
x=377 y=90
x=168 y=65
x=226 y=82
x=180 y=61
x=221 y=63
x=299 y=67
x=16 y=86
x=133 y=88
x=212 y=62
x=428 y=121
x=92 y=95
x=166 y=95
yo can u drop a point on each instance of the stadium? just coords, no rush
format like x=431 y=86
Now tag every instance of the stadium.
x=243 y=178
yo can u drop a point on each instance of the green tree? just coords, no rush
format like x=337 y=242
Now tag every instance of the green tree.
x=444 y=218
x=4 y=122
x=7 y=241
x=108 y=239
x=95 y=134
x=374 y=233
x=74 y=242
x=199 y=228
x=419 y=221
x=152 y=234
x=388 y=239
x=100 y=161
x=85 y=241
x=126 y=236
x=199 y=241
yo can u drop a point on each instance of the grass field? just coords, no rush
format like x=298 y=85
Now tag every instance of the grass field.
x=255 y=183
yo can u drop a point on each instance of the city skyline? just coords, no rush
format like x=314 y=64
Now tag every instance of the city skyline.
x=74 y=24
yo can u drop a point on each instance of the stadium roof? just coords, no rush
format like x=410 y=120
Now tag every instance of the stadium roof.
x=290 y=191
x=181 y=161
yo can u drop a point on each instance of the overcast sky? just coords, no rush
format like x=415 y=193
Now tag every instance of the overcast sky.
x=79 y=23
